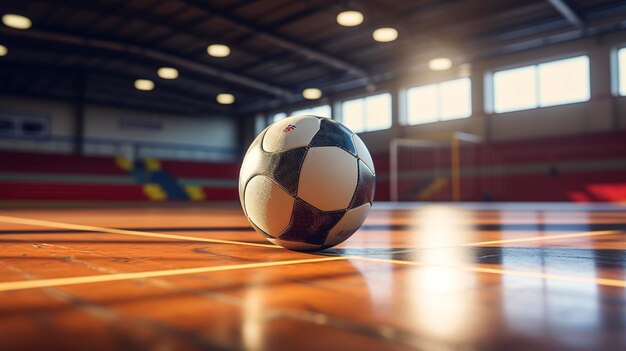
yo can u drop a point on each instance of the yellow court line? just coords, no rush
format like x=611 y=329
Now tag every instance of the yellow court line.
x=546 y=276
x=46 y=283
x=88 y=228
x=547 y=237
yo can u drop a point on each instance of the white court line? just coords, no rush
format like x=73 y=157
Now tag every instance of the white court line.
x=46 y=283
x=547 y=237
x=545 y=276
x=19 y=285
x=88 y=228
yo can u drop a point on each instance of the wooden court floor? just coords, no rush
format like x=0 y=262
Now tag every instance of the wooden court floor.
x=415 y=277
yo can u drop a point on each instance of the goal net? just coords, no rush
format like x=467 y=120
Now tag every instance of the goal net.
x=435 y=168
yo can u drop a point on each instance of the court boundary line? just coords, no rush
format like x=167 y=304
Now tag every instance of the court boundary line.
x=29 y=284
x=101 y=278
x=544 y=276
x=88 y=228
x=546 y=237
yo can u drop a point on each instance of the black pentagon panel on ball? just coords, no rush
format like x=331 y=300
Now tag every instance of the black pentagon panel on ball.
x=365 y=187
x=285 y=169
x=332 y=133
x=310 y=225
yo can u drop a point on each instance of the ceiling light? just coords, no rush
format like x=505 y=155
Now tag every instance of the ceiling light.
x=218 y=50
x=385 y=34
x=350 y=18
x=144 y=84
x=311 y=93
x=225 y=98
x=3 y=50
x=440 y=64
x=16 y=21
x=168 y=73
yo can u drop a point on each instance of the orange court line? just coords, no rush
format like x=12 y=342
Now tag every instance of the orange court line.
x=46 y=283
x=545 y=276
x=88 y=228
x=547 y=237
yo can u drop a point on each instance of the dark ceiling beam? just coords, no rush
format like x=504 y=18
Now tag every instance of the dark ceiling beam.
x=608 y=14
x=131 y=49
x=235 y=5
x=566 y=11
x=404 y=23
x=19 y=81
x=127 y=68
x=27 y=51
x=277 y=25
x=278 y=39
x=606 y=21
x=155 y=97
x=113 y=83
x=104 y=13
x=99 y=100
x=124 y=13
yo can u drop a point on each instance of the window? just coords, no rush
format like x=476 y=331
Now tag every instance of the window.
x=278 y=116
x=24 y=124
x=7 y=126
x=260 y=122
x=515 y=89
x=321 y=111
x=32 y=128
x=621 y=67
x=547 y=84
x=439 y=102
x=368 y=113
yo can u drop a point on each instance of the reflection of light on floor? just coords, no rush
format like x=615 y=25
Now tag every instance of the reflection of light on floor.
x=380 y=283
x=441 y=226
x=439 y=298
x=535 y=306
x=441 y=302
x=379 y=280
x=371 y=239
x=252 y=326
x=511 y=220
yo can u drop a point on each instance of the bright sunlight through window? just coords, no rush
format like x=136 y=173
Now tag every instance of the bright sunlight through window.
x=439 y=102
x=320 y=111
x=367 y=114
x=278 y=116
x=547 y=84
x=621 y=62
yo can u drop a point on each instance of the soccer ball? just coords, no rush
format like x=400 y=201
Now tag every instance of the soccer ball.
x=307 y=183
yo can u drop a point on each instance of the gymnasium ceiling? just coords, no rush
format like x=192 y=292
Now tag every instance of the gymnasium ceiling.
x=96 y=49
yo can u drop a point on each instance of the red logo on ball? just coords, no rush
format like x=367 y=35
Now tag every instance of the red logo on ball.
x=289 y=128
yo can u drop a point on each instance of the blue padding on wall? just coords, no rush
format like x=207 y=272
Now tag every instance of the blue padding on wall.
x=169 y=184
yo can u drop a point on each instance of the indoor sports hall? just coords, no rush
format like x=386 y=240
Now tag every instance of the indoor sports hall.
x=269 y=175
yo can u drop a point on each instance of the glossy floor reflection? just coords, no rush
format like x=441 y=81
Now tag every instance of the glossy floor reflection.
x=415 y=277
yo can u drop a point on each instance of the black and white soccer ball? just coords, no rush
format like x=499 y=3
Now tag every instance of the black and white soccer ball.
x=307 y=183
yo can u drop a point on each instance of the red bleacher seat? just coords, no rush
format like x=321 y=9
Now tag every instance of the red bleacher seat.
x=220 y=194
x=63 y=191
x=58 y=163
x=206 y=170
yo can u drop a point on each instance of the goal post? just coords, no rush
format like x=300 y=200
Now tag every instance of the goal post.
x=429 y=167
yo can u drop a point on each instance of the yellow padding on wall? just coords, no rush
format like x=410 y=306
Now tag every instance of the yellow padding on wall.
x=195 y=192
x=123 y=163
x=154 y=192
x=152 y=164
